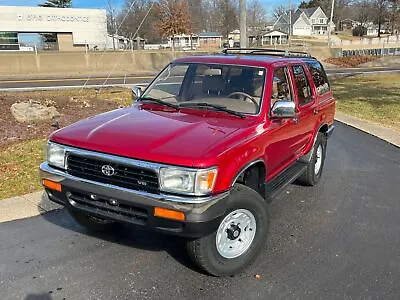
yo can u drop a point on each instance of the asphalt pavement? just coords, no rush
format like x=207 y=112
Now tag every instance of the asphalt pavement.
x=338 y=240
x=98 y=81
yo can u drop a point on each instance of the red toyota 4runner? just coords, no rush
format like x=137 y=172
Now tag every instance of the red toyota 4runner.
x=200 y=153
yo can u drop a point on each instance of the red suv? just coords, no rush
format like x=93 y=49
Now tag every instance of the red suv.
x=200 y=153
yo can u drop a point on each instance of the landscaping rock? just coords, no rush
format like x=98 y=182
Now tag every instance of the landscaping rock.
x=28 y=112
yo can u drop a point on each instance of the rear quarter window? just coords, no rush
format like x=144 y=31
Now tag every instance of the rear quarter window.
x=319 y=77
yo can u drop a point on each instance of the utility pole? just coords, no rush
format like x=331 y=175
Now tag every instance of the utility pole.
x=243 y=25
x=290 y=23
x=329 y=25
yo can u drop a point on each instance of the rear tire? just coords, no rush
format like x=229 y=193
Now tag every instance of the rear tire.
x=313 y=173
x=90 y=222
x=241 y=235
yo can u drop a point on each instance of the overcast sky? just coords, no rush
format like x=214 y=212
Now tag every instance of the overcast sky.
x=269 y=4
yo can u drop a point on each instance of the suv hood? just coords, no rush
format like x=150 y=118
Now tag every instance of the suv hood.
x=162 y=136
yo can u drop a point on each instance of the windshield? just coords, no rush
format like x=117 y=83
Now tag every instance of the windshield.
x=236 y=88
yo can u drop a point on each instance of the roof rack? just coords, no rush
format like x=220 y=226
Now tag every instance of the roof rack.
x=262 y=51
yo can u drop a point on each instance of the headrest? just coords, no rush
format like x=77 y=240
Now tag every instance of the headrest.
x=215 y=84
x=212 y=72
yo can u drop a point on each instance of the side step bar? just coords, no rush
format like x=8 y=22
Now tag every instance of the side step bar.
x=283 y=179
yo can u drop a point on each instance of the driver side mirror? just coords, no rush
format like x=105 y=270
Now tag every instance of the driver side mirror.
x=283 y=109
x=136 y=93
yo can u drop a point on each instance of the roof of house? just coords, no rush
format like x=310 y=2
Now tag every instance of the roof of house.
x=308 y=11
x=209 y=34
x=284 y=18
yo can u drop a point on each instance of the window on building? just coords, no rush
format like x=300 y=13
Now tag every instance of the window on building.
x=319 y=77
x=280 y=86
x=321 y=21
x=313 y=21
x=303 y=89
x=8 y=38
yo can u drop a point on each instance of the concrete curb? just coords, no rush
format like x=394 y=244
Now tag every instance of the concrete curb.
x=26 y=206
x=37 y=203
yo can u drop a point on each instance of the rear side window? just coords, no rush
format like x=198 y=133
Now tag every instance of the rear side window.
x=302 y=86
x=319 y=77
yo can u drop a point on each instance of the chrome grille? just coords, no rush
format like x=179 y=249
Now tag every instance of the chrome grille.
x=123 y=175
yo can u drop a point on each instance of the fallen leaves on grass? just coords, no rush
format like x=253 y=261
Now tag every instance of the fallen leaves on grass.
x=350 y=61
x=73 y=105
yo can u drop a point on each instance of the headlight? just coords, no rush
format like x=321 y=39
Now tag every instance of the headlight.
x=56 y=155
x=196 y=182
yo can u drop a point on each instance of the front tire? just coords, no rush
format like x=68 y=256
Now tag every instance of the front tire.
x=241 y=235
x=313 y=173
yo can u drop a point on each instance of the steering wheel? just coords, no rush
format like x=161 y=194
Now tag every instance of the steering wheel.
x=245 y=95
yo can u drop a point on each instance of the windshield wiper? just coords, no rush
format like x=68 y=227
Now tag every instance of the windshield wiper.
x=159 y=101
x=215 y=106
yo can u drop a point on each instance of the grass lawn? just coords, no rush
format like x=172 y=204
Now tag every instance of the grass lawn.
x=19 y=167
x=373 y=97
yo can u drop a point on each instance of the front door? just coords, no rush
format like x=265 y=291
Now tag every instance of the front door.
x=281 y=134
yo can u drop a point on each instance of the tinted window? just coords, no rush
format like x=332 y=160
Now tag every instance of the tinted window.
x=319 y=77
x=302 y=86
x=280 y=86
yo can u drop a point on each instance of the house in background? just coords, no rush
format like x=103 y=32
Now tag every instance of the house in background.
x=260 y=36
x=199 y=40
x=305 y=22
x=267 y=38
x=348 y=25
x=234 y=35
x=209 y=40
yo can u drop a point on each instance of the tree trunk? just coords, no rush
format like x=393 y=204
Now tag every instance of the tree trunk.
x=379 y=26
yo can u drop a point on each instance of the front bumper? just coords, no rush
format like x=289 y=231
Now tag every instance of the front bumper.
x=136 y=207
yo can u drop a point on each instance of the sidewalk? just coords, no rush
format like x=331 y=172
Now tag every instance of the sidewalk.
x=37 y=203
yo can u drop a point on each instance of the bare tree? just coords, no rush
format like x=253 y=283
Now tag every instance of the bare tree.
x=381 y=13
x=256 y=14
x=228 y=12
x=279 y=11
x=394 y=15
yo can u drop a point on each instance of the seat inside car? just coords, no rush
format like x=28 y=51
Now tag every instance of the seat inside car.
x=213 y=84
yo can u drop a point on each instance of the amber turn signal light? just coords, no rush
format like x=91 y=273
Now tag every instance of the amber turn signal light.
x=52 y=185
x=169 y=214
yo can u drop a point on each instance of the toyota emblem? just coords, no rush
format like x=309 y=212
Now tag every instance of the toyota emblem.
x=108 y=170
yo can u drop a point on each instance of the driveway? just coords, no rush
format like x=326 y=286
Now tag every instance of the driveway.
x=339 y=240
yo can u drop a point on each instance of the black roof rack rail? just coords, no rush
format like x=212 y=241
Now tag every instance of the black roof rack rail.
x=265 y=51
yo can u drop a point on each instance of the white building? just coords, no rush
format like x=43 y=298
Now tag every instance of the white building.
x=199 y=40
x=73 y=29
x=305 y=22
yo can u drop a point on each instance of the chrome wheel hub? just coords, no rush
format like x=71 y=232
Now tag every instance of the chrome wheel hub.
x=318 y=162
x=236 y=233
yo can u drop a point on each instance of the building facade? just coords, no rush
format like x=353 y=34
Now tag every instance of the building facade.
x=305 y=22
x=67 y=29
x=202 y=40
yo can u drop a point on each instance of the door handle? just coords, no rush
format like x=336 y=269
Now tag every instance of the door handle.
x=315 y=111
